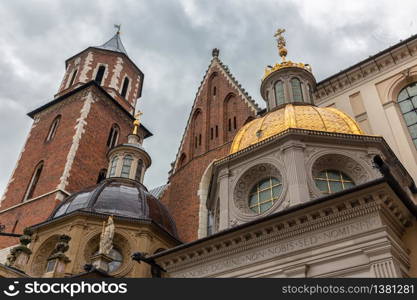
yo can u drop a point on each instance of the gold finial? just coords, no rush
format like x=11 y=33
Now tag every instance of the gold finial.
x=118 y=26
x=281 y=43
x=136 y=122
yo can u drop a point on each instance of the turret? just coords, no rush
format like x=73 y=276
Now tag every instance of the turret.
x=287 y=82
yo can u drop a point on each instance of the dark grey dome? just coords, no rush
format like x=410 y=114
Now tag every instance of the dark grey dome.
x=119 y=197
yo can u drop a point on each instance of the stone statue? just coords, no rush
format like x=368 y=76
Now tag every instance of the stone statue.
x=106 y=238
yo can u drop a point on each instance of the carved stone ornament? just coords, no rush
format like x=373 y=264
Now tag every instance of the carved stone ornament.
x=22 y=248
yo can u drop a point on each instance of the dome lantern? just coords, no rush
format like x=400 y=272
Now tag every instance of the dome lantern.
x=287 y=81
x=129 y=160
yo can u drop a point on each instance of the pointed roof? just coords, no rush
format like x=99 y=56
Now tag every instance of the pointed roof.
x=114 y=44
x=225 y=71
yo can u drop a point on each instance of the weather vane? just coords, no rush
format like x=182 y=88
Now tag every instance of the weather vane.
x=136 y=123
x=118 y=26
x=281 y=43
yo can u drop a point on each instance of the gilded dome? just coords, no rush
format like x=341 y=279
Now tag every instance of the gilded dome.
x=294 y=116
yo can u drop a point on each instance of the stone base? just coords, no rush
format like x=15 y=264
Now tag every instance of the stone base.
x=101 y=262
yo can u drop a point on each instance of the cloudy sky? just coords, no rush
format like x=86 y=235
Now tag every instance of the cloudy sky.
x=171 y=42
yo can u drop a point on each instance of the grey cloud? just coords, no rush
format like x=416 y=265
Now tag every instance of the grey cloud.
x=171 y=43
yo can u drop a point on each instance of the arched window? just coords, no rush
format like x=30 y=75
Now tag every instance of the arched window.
x=407 y=100
x=99 y=75
x=139 y=168
x=264 y=194
x=332 y=181
x=52 y=129
x=183 y=159
x=74 y=74
x=113 y=136
x=101 y=175
x=297 y=94
x=127 y=163
x=33 y=182
x=125 y=86
x=279 y=92
x=113 y=166
x=214 y=91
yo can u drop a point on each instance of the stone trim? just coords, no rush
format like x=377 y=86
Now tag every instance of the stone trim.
x=366 y=70
x=79 y=130
x=34 y=199
x=290 y=226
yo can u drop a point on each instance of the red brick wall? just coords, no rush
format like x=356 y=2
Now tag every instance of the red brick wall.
x=108 y=58
x=181 y=196
x=89 y=160
x=26 y=215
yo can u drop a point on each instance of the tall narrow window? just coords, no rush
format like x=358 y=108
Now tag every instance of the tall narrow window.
x=139 y=168
x=230 y=124
x=101 y=175
x=297 y=94
x=234 y=123
x=52 y=129
x=214 y=91
x=73 y=77
x=217 y=131
x=279 y=93
x=211 y=133
x=99 y=75
x=199 y=139
x=33 y=182
x=196 y=142
x=113 y=166
x=407 y=100
x=127 y=163
x=113 y=136
x=125 y=86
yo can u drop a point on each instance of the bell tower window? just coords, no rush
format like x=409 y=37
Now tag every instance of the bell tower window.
x=124 y=88
x=33 y=182
x=113 y=136
x=52 y=129
x=74 y=74
x=99 y=75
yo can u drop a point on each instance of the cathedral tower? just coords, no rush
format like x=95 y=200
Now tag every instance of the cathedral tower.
x=66 y=148
x=220 y=108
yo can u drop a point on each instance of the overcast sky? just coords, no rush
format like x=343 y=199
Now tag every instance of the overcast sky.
x=171 y=42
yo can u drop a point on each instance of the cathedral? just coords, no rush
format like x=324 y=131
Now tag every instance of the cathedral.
x=320 y=183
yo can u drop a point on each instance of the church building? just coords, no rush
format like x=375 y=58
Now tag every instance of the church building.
x=321 y=183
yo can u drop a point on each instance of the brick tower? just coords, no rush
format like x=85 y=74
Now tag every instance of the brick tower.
x=220 y=108
x=66 y=147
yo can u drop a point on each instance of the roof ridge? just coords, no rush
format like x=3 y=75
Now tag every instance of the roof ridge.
x=114 y=44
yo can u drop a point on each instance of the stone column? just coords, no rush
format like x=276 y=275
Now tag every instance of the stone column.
x=224 y=199
x=296 y=172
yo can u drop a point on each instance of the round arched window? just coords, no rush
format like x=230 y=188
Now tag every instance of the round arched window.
x=407 y=100
x=332 y=181
x=264 y=194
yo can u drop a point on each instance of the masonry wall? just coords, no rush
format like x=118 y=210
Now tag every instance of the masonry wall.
x=210 y=110
x=72 y=159
x=117 y=65
x=369 y=94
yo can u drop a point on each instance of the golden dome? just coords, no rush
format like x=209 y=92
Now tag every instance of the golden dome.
x=294 y=116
